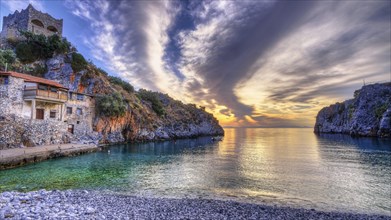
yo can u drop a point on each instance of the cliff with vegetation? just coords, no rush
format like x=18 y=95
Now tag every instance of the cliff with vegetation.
x=122 y=114
x=367 y=114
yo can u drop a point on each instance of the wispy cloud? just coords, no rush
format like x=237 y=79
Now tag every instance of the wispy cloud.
x=130 y=37
x=14 y=5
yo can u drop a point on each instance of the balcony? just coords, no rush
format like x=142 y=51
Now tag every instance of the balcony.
x=45 y=95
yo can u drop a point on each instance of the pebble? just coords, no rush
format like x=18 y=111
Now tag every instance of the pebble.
x=74 y=204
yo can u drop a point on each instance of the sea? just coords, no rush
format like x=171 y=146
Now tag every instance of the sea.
x=274 y=166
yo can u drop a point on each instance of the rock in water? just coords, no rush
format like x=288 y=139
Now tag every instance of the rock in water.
x=367 y=114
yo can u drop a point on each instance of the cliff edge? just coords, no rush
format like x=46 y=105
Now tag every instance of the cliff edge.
x=367 y=114
x=118 y=112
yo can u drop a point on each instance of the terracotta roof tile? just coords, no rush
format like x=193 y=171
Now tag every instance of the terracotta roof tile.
x=29 y=78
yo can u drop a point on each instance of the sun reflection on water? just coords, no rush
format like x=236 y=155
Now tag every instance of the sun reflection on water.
x=291 y=167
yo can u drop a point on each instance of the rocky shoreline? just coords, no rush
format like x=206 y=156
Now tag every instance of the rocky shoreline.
x=367 y=114
x=77 y=204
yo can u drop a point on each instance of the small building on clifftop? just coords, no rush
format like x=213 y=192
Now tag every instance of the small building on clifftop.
x=31 y=20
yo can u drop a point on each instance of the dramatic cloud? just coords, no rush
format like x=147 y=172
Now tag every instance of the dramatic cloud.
x=325 y=58
x=252 y=63
x=130 y=38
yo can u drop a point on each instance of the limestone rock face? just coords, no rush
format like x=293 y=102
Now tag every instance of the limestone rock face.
x=139 y=123
x=368 y=114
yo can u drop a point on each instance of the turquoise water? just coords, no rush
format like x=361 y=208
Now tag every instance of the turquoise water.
x=290 y=167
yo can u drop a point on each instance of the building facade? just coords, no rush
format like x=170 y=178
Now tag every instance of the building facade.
x=34 y=98
x=79 y=113
x=30 y=20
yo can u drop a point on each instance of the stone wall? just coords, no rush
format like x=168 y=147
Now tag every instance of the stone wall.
x=11 y=96
x=47 y=20
x=18 y=132
x=14 y=22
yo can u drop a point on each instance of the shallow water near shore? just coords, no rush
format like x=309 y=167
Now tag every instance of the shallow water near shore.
x=288 y=167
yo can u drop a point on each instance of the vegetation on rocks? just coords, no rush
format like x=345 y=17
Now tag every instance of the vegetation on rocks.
x=118 y=81
x=367 y=114
x=110 y=105
x=153 y=98
x=79 y=63
x=122 y=114
x=380 y=109
x=36 y=47
x=6 y=57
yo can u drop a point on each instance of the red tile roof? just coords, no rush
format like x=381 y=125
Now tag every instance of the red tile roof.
x=29 y=78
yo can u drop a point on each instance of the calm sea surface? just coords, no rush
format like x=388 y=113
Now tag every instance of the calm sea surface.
x=289 y=167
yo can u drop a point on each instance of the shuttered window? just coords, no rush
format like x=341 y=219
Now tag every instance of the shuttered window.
x=40 y=114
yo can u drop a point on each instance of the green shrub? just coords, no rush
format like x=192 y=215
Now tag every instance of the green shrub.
x=110 y=105
x=78 y=62
x=152 y=97
x=36 y=47
x=6 y=57
x=125 y=85
x=379 y=110
x=24 y=52
x=58 y=45
x=103 y=72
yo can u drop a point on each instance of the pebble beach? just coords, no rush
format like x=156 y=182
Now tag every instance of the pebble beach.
x=81 y=204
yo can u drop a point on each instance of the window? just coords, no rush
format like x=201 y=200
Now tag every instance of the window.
x=42 y=87
x=40 y=114
x=70 y=95
x=78 y=122
x=69 y=110
x=70 y=129
x=52 y=114
x=3 y=80
x=80 y=97
x=52 y=29
x=37 y=22
x=53 y=89
x=79 y=111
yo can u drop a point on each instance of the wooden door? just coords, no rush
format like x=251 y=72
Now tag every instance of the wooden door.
x=40 y=114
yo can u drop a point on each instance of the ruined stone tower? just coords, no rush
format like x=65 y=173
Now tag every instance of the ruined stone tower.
x=31 y=20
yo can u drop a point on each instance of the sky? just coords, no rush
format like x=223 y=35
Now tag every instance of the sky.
x=252 y=63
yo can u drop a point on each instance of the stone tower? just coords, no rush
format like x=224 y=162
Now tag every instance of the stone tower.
x=31 y=20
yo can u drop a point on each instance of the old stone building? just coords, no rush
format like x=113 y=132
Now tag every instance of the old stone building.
x=32 y=97
x=44 y=111
x=30 y=20
x=79 y=113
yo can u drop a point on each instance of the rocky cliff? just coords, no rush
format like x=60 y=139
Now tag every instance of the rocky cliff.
x=367 y=114
x=130 y=116
x=140 y=121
